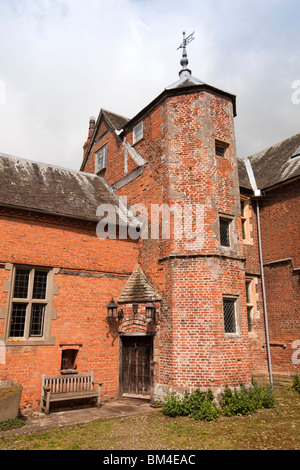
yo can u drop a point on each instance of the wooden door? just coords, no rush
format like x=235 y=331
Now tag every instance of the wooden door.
x=136 y=365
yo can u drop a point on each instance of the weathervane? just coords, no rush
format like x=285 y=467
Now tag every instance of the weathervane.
x=184 y=60
x=187 y=40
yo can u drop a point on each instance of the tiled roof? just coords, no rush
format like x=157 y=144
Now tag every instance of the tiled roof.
x=276 y=164
x=117 y=121
x=25 y=184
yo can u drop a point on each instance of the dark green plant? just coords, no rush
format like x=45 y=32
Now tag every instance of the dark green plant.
x=296 y=383
x=201 y=406
x=196 y=404
x=246 y=400
x=172 y=405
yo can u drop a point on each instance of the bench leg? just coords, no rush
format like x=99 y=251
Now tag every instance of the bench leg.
x=48 y=404
x=99 y=396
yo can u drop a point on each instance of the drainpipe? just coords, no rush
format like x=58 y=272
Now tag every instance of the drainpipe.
x=264 y=293
x=258 y=194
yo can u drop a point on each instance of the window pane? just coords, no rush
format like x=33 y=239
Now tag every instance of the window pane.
x=229 y=315
x=21 y=284
x=37 y=319
x=18 y=316
x=249 y=317
x=40 y=285
x=224 y=232
x=220 y=151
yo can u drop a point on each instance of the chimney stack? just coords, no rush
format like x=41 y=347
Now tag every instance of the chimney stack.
x=91 y=126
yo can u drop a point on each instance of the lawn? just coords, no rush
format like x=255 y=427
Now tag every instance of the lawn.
x=270 y=429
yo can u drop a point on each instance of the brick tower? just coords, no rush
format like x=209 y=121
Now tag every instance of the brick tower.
x=203 y=337
x=179 y=153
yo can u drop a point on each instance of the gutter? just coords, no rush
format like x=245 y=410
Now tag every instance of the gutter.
x=257 y=193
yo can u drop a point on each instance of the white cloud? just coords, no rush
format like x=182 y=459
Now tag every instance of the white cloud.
x=62 y=60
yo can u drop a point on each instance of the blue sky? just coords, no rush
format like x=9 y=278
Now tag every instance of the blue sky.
x=64 y=60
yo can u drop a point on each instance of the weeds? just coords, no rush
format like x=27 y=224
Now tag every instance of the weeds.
x=11 y=424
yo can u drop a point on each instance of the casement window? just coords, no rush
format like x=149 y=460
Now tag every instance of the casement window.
x=29 y=302
x=28 y=312
x=245 y=216
x=225 y=227
x=221 y=149
x=137 y=132
x=230 y=315
x=101 y=159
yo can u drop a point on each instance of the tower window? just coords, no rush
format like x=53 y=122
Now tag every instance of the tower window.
x=229 y=312
x=225 y=231
x=221 y=149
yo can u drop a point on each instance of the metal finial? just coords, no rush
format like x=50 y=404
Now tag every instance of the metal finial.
x=184 y=60
x=186 y=41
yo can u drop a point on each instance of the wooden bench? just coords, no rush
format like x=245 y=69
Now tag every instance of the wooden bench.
x=68 y=387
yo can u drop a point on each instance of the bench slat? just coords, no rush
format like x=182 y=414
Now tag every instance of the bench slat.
x=72 y=395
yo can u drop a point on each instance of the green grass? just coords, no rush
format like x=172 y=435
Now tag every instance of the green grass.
x=267 y=429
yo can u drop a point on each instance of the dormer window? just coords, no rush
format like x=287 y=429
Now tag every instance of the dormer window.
x=101 y=159
x=137 y=132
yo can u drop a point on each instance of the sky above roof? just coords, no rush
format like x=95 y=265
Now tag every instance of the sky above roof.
x=64 y=60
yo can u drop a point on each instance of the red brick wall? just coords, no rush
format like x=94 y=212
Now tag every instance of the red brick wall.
x=280 y=224
x=80 y=303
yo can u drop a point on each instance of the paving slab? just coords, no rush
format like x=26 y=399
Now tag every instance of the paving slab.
x=37 y=421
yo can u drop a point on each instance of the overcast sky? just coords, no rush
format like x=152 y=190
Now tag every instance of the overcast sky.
x=64 y=60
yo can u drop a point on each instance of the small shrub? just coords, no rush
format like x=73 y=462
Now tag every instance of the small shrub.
x=172 y=405
x=246 y=400
x=196 y=404
x=296 y=383
x=201 y=406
